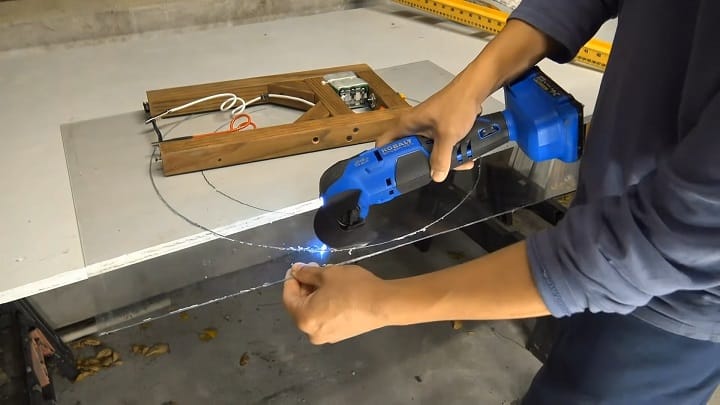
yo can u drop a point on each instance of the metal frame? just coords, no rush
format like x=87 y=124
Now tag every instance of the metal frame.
x=26 y=343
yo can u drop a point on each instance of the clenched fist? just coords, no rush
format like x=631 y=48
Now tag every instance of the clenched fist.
x=334 y=303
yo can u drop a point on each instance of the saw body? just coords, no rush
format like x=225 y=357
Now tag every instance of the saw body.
x=544 y=120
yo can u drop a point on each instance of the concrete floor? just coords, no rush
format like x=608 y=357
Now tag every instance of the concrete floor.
x=483 y=362
x=259 y=357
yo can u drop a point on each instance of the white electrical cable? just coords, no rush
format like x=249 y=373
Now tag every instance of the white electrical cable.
x=302 y=100
x=230 y=101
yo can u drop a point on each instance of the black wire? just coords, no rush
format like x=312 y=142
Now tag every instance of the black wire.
x=157 y=131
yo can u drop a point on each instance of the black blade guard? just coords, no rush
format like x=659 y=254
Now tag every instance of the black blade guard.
x=338 y=225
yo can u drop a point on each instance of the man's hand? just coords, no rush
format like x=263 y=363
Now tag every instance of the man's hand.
x=449 y=114
x=446 y=117
x=333 y=303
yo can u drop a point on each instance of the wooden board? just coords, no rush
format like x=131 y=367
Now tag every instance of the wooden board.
x=386 y=96
x=330 y=123
x=296 y=89
x=314 y=113
x=162 y=100
x=328 y=97
x=187 y=155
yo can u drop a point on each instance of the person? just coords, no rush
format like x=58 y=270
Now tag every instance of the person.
x=634 y=265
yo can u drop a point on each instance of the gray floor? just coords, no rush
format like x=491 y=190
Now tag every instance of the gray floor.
x=483 y=362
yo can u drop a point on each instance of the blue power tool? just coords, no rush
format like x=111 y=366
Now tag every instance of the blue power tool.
x=544 y=120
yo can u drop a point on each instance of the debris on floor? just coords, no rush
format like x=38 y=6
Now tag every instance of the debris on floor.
x=87 y=342
x=4 y=378
x=244 y=359
x=208 y=334
x=149 y=351
x=103 y=358
x=457 y=325
x=566 y=200
x=457 y=255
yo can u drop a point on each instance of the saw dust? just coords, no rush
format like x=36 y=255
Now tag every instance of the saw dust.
x=208 y=334
x=100 y=359
x=244 y=359
x=566 y=200
x=87 y=342
x=149 y=351
x=456 y=255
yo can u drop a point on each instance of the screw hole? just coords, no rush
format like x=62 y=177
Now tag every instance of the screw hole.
x=356 y=130
x=219 y=159
x=316 y=140
x=349 y=138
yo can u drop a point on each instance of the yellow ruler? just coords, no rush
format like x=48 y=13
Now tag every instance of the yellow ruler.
x=594 y=54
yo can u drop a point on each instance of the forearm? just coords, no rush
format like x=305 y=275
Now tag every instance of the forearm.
x=495 y=286
x=515 y=49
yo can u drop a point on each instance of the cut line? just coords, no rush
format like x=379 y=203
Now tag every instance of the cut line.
x=322 y=249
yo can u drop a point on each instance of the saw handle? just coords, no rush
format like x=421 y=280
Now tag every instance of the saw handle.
x=412 y=171
x=489 y=132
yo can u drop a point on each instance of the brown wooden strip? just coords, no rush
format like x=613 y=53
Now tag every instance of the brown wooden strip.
x=386 y=95
x=287 y=88
x=163 y=99
x=212 y=151
x=294 y=88
x=317 y=112
x=298 y=105
x=328 y=96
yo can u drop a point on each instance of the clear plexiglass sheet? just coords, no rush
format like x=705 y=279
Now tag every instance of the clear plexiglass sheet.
x=145 y=236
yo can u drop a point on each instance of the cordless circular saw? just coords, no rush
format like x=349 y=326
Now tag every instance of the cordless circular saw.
x=544 y=120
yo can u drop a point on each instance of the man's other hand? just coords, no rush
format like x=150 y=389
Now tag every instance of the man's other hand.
x=334 y=303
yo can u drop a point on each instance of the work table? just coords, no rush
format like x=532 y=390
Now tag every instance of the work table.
x=42 y=89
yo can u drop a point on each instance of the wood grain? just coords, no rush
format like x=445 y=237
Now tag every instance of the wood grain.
x=330 y=98
x=189 y=155
x=163 y=99
x=314 y=113
x=298 y=89
x=385 y=94
x=328 y=124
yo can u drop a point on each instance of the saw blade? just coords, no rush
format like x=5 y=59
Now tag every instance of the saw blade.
x=338 y=225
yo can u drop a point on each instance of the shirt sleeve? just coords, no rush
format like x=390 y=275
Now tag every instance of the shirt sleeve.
x=663 y=235
x=571 y=23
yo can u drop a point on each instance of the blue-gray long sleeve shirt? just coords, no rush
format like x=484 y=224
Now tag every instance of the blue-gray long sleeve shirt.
x=643 y=234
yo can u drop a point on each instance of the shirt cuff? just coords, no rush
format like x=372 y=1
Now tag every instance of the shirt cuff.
x=546 y=272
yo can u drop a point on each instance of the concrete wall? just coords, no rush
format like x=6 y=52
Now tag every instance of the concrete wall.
x=29 y=23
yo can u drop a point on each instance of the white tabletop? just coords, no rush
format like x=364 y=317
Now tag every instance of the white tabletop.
x=40 y=89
